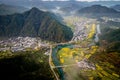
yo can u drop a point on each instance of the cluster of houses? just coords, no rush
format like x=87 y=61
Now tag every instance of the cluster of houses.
x=20 y=44
x=80 y=32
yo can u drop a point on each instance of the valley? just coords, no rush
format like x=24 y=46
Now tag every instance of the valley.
x=73 y=60
x=59 y=40
x=69 y=60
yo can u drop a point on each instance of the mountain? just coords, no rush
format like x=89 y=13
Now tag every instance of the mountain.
x=34 y=23
x=109 y=38
x=116 y=7
x=9 y=9
x=69 y=8
x=98 y=11
x=112 y=39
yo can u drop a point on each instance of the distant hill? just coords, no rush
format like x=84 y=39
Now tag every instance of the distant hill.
x=52 y=4
x=9 y=9
x=98 y=11
x=110 y=38
x=71 y=7
x=116 y=7
x=34 y=23
x=110 y=35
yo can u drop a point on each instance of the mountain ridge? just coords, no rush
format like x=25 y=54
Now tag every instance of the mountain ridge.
x=34 y=23
x=10 y=9
x=116 y=7
x=98 y=11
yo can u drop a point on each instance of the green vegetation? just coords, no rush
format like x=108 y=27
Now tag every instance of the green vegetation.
x=107 y=57
x=25 y=65
x=110 y=29
x=103 y=59
x=109 y=39
x=112 y=35
x=107 y=65
x=35 y=23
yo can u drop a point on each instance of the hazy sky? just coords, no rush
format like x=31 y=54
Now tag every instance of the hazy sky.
x=37 y=2
x=61 y=0
x=79 y=0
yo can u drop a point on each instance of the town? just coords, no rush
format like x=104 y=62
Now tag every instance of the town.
x=21 y=44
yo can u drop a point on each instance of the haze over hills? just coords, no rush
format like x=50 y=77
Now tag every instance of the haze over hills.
x=98 y=11
x=34 y=23
x=53 y=4
x=71 y=8
x=64 y=6
x=116 y=7
x=10 y=9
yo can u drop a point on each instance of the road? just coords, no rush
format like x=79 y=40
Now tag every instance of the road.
x=64 y=66
x=50 y=60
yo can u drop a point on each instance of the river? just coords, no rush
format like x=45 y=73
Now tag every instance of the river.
x=56 y=60
x=97 y=33
x=55 y=50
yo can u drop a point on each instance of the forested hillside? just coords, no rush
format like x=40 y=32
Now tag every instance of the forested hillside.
x=34 y=23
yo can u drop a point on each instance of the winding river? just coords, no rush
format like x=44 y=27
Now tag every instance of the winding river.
x=56 y=60
x=55 y=50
